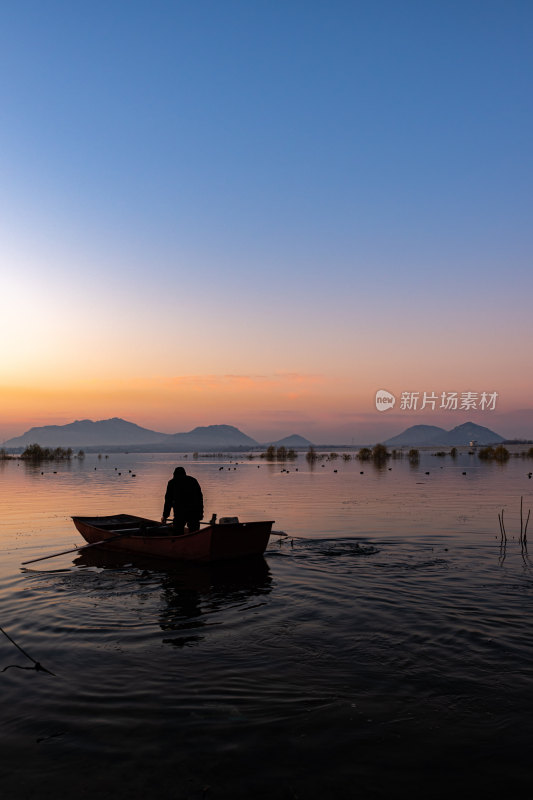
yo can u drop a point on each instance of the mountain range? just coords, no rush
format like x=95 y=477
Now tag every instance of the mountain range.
x=119 y=433
x=431 y=435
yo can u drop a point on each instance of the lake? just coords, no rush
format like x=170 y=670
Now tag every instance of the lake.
x=382 y=648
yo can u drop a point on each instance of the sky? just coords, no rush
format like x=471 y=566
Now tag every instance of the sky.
x=262 y=213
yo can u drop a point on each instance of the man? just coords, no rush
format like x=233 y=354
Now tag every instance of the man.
x=185 y=497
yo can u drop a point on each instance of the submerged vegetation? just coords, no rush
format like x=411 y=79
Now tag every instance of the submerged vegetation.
x=486 y=453
x=499 y=453
x=380 y=453
x=34 y=452
x=279 y=453
x=414 y=456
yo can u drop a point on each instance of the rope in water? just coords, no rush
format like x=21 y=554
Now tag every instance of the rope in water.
x=36 y=665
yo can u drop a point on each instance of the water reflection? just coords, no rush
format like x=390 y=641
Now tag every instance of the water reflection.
x=192 y=593
x=192 y=597
x=525 y=554
x=381 y=466
x=384 y=653
x=38 y=468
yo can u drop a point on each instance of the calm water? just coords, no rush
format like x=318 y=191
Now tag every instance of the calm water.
x=384 y=647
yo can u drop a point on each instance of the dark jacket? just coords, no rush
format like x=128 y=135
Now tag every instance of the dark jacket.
x=185 y=497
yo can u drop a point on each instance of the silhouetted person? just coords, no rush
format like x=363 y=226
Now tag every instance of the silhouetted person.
x=185 y=497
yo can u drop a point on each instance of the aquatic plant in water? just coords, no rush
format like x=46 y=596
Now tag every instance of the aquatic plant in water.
x=34 y=452
x=499 y=453
x=380 y=452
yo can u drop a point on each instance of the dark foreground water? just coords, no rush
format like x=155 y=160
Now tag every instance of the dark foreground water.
x=384 y=648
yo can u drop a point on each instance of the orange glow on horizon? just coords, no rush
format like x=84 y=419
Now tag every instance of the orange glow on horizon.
x=282 y=402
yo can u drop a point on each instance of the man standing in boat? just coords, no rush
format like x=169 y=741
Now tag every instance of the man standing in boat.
x=185 y=497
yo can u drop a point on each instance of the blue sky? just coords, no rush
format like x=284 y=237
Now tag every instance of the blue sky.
x=285 y=160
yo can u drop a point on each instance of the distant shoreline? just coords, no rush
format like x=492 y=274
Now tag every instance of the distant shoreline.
x=231 y=451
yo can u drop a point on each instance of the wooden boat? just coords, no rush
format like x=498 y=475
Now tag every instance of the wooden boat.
x=213 y=542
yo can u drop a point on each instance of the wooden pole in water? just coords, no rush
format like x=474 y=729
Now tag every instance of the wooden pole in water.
x=78 y=549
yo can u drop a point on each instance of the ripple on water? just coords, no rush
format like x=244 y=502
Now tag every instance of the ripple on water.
x=393 y=658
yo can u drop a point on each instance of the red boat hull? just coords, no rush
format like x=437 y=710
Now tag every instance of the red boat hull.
x=210 y=543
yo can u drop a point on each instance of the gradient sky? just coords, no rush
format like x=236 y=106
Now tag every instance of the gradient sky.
x=259 y=213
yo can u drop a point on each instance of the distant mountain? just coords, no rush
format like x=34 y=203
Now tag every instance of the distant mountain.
x=470 y=432
x=292 y=441
x=431 y=435
x=211 y=436
x=118 y=433
x=418 y=434
x=86 y=433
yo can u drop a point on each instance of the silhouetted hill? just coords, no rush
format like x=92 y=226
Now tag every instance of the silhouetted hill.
x=291 y=441
x=431 y=435
x=418 y=434
x=117 y=433
x=470 y=432
x=211 y=436
x=86 y=433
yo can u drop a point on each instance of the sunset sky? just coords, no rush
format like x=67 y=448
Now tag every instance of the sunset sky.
x=259 y=213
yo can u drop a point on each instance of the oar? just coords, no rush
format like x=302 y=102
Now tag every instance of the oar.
x=123 y=534
x=120 y=535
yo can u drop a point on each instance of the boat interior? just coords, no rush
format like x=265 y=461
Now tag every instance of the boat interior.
x=125 y=522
